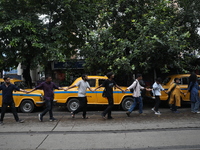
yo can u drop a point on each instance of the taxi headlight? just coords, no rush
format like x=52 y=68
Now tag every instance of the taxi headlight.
x=41 y=97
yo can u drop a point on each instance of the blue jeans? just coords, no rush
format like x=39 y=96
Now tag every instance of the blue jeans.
x=137 y=100
x=49 y=107
x=195 y=106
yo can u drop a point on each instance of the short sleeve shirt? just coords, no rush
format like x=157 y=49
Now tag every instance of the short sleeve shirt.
x=109 y=84
x=82 y=88
x=7 y=92
x=48 y=89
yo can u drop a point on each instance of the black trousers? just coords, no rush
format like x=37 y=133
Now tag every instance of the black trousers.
x=173 y=106
x=49 y=107
x=157 y=98
x=13 y=109
x=109 y=107
x=82 y=106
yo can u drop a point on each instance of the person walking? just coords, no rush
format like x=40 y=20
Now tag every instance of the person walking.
x=7 y=99
x=157 y=87
x=175 y=92
x=82 y=85
x=194 y=88
x=48 y=87
x=109 y=84
x=136 y=95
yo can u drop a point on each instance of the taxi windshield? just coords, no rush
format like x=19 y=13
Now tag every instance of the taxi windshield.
x=166 y=80
x=21 y=84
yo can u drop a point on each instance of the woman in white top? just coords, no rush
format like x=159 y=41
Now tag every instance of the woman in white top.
x=157 y=88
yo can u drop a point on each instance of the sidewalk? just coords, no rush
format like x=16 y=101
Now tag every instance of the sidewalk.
x=95 y=123
x=96 y=133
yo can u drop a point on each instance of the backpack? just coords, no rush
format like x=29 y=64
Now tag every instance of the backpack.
x=132 y=90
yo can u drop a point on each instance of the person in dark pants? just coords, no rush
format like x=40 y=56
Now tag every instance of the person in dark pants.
x=109 y=84
x=7 y=94
x=82 y=85
x=48 y=87
x=193 y=89
x=157 y=87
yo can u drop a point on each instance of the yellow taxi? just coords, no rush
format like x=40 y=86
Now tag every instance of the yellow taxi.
x=184 y=81
x=25 y=102
x=70 y=97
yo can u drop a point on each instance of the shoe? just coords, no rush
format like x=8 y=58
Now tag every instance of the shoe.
x=52 y=119
x=157 y=113
x=72 y=115
x=1 y=122
x=103 y=116
x=153 y=109
x=20 y=121
x=176 y=112
x=85 y=117
x=142 y=114
x=110 y=117
x=128 y=113
x=198 y=112
x=40 y=117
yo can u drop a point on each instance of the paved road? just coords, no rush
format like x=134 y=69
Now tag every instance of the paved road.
x=138 y=132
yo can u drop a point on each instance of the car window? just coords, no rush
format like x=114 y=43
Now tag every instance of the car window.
x=166 y=80
x=92 y=82
x=21 y=85
x=185 y=81
x=101 y=81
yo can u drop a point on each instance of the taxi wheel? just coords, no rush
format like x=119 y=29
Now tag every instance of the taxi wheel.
x=126 y=103
x=27 y=106
x=73 y=104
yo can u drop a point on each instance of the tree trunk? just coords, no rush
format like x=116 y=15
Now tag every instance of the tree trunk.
x=155 y=74
x=27 y=76
x=48 y=70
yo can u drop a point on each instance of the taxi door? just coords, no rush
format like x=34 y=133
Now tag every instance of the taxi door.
x=184 y=86
x=99 y=92
x=91 y=96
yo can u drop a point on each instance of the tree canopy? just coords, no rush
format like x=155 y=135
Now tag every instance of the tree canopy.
x=121 y=35
x=144 y=35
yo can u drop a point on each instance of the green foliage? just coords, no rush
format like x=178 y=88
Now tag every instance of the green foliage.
x=120 y=35
x=141 y=36
x=38 y=31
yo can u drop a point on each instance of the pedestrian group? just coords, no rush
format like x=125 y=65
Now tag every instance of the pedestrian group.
x=48 y=87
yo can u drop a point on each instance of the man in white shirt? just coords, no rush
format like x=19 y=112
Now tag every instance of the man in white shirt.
x=136 y=95
x=82 y=88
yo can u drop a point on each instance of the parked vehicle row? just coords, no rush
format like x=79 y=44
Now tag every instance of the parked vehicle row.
x=27 y=102
x=70 y=98
x=184 y=81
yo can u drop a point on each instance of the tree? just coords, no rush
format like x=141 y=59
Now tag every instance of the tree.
x=189 y=16
x=20 y=35
x=138 y=35
x=37 y=32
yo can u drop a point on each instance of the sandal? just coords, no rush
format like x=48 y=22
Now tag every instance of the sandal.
x=73 y=115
